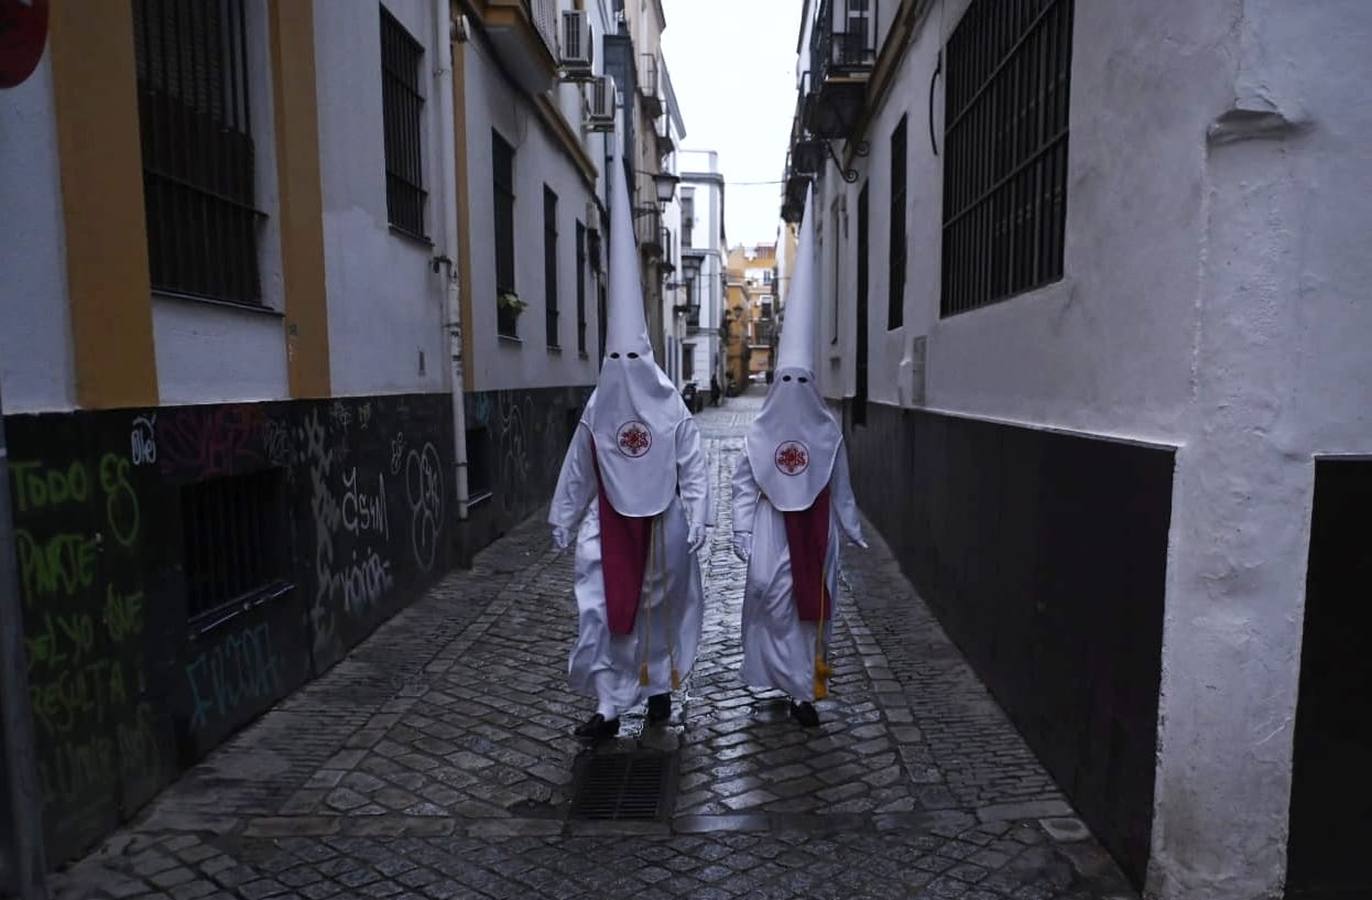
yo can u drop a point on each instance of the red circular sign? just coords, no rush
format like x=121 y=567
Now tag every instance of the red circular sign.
x=23 y=31
x=792 y=458
x=634 y=439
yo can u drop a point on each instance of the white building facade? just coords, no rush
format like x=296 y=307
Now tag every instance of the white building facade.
x=1095 y=319
x=240 y=372
x=704 y=257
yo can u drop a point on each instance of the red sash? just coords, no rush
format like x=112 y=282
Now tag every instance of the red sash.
x=624 y=545
x=807 y=538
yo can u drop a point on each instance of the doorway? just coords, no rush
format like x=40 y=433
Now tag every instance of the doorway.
x=1331 y=790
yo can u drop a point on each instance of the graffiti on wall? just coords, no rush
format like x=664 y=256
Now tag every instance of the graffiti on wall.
x=126 y=687
x=78 y=528
x=242 y=666
x=528 y=433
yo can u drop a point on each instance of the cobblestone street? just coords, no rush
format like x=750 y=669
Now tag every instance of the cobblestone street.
x=435 y=761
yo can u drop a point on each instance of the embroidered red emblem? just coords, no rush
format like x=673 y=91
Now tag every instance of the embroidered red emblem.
x=792 y=458
x=634 y=439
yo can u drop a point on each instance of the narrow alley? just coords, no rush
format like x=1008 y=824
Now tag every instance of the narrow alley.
x=435 y=761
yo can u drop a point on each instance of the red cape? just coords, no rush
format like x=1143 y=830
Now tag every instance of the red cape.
x=624 y=545
x=807 y=538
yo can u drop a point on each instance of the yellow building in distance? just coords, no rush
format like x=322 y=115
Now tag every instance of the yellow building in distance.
x=753 y=307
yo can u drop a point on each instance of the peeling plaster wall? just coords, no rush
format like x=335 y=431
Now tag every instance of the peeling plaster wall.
x=1283 y=373
x=1215 y=299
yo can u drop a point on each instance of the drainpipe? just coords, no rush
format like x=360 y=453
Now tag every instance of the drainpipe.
x=445 y=32
x=22 y=852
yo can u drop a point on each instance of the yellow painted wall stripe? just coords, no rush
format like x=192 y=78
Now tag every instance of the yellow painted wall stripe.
x=301 y=197
x=96 y=99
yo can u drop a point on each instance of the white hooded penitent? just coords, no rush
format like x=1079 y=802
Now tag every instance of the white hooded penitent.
x=635 y=410
x=795 y=439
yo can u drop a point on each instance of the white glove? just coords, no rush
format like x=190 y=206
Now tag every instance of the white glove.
x=743 y=545
x=696 y=538
x=562 y=538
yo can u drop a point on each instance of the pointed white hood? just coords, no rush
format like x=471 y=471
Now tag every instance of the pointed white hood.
x=634 y=411
x=794 y=441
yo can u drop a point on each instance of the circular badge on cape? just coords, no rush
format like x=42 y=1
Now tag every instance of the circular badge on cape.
x=633 y=439
x=792 y=458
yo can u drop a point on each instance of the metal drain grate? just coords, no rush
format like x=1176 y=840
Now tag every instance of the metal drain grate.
x=619 y=786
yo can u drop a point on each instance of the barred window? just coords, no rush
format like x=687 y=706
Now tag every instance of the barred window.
x=550 y=265
x=195 y=124
x=1005 y=157
x=237 y=540
x=502 y=179
x=402 y=110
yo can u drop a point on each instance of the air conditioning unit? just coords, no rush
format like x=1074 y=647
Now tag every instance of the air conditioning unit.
x=578 y=50
x=600 y=106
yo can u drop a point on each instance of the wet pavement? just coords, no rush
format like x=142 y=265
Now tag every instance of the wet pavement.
x=436 y=762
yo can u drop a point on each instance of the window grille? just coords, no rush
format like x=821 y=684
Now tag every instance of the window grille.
x=1005 y=175
x=402 y=111
x=195 y=124
x=580 y=287
x=502 y=177
x=550 y=265
x=236 y=539
x=895 y=304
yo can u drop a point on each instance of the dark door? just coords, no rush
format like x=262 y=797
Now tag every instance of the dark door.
x=1331 y=791
x=860 y=390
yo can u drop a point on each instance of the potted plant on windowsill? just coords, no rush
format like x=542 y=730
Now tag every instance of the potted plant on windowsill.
x=508 y=307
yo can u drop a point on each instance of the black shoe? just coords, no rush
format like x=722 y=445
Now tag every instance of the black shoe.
x=659 y=708
x=804 y=713
x=597 y=728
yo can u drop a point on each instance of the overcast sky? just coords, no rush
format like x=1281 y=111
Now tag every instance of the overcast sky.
x=733 y=65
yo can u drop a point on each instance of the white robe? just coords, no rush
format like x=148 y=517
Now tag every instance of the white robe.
x=779 y=650
x=671 y=609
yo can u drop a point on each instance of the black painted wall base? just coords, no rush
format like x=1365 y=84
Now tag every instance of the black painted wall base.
x=1044 y=556
x=515 y=443
x=142 y=659
x=1331 y=790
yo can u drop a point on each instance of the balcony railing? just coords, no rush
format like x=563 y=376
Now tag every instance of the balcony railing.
x=648 y=229
x=843 y=52
x=543 y=13
x=844 y=39
x=649 y=85
x=524 y=36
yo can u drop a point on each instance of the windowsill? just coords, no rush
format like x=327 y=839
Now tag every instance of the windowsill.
x=226 y=612
x=240 y=306
x=510 y=339
x=411 y=236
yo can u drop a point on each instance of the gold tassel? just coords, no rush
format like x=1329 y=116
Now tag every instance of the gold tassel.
x=822 y=670
x=676 y=679
x=643 y=675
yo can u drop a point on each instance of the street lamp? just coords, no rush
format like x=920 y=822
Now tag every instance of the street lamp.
x=664 y=184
